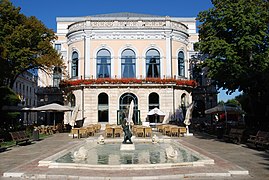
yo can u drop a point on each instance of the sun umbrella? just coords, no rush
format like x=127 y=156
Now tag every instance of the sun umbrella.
x=156 y=111
x=53 y=107
x=231 y=109
x=131 y=112
x=74 y=116
x=188 y=115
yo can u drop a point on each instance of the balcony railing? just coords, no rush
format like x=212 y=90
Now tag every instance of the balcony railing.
x=171 y=81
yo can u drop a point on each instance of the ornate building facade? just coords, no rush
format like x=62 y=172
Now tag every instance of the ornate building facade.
x=112 y=59
x=26 y=87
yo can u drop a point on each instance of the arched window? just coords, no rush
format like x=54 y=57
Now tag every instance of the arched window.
x=153 y=101
x=153 y=63
x=103 y=107
x=181 y=65
x=57 y=76
x=128 y=64
x=103 y=64
x=72 y=100
x=183 y=104
x=74 y=65
x=125 y=101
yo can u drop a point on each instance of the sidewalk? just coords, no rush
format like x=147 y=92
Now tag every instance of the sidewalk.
x=227 y=156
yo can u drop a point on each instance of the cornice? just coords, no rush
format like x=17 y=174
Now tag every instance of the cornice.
x=127 y=25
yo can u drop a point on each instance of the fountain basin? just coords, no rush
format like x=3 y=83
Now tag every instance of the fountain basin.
x=109 y=156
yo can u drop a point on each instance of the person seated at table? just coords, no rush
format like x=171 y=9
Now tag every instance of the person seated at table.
x=127 y=132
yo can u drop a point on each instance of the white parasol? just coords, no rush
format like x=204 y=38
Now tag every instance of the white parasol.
x=188 y=117
x=130 y=112
x=53 y=107
x=231 y=109
x=189 y=114
x=74 y=116
x=156 y=111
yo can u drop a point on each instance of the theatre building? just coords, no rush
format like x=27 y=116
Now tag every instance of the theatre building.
x=112 y=59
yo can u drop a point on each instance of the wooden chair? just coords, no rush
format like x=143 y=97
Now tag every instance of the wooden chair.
x=140 y=132
x=107 y=125
x=109 y=132
x=90 y=131
x=118 y=131
x=50 y=130
x=167 y=130
x=174 y=131
x=83 y=132
x=182 y=131
x=148 y=132
x=98 y=127
x=134 y=128
x=160 y=128
x=43 y=130
x=75 y=131
x=95 y=127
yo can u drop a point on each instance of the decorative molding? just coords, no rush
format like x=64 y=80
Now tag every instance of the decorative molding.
x=127 y=35
x=103 y=45
x=126 y=24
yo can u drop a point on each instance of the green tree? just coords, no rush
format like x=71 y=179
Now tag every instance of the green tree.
x=25 y=44
x=8 y=120
x=235 y=35
x=233 y=102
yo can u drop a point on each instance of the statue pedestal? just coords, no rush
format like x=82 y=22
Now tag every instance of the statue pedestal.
x=127 y=147
x=188 y=132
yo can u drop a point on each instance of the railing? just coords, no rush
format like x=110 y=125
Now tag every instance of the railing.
x=180 y=82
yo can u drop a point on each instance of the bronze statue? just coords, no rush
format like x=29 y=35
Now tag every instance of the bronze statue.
x=127 y=132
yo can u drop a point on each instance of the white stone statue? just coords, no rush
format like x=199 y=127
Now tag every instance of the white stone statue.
x=81 y=154
x=155 y=139
x=171 y=153
x=101 y=140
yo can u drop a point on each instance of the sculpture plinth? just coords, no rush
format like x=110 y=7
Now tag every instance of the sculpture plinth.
x=127 y=147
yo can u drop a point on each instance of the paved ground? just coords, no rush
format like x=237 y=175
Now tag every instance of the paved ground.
x=23 y=160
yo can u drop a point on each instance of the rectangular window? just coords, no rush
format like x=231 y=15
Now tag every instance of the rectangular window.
x=57 y=47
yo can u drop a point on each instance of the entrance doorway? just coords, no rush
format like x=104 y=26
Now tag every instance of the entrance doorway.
x=125 y=101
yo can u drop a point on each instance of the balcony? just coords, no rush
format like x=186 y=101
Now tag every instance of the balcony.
x=128 y=82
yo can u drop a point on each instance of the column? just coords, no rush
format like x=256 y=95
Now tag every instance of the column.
x=87 y=57
x=168 y=40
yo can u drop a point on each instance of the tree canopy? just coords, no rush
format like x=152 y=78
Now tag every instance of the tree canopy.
x=235 y=35
x=25 y=44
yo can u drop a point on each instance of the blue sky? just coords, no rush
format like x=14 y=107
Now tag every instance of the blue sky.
x=48 y=10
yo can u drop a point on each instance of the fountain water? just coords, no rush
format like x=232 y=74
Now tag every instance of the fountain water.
x=93 y=155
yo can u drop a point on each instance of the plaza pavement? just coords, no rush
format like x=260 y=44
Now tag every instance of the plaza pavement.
x=21 y=162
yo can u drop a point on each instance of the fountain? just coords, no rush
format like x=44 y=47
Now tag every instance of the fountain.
x=147 y=154
x=101 y=153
